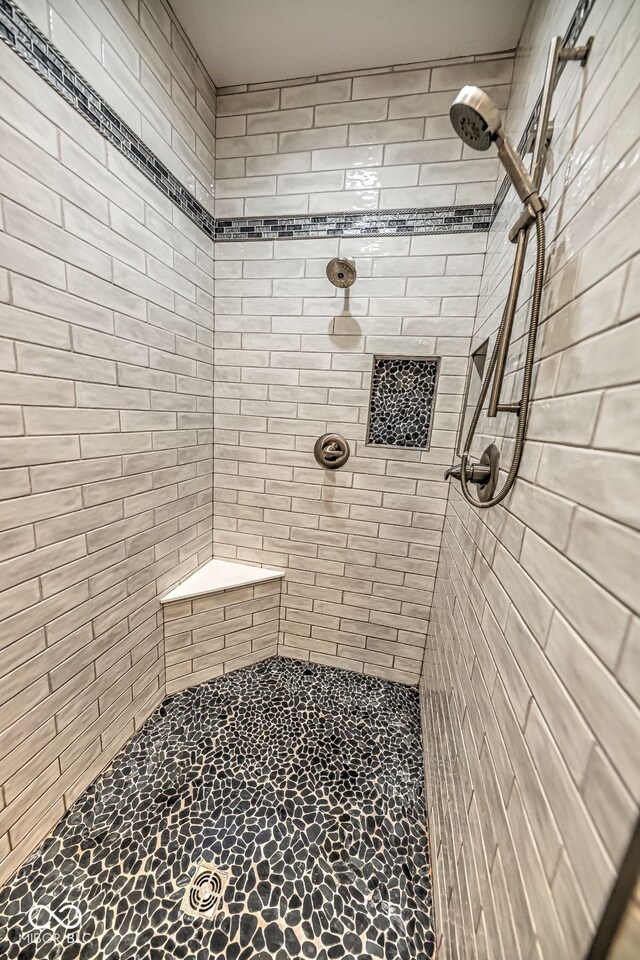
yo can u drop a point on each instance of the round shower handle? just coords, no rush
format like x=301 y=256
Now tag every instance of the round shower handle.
x=331 y=451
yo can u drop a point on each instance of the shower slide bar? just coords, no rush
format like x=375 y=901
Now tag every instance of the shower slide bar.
x=520 y=231
x=477 y=121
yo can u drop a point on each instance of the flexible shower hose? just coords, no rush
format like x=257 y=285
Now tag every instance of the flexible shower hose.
x=523 y=412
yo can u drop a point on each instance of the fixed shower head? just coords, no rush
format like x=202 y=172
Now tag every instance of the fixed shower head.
x=475 y=118
x=477 y=121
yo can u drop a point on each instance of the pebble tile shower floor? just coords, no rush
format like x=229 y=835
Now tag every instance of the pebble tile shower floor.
x=304 y=782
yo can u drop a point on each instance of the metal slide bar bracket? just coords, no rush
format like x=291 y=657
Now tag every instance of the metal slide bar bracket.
x=577 y=53
x=526 y=219
x=557 y=54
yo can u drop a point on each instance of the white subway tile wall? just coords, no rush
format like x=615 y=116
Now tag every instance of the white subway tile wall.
x=380 y=141
x=530 y=698
x=106 y=352
x=294 y=356
x=138 y=58
x=293 y=361
x=107 y=387
x=211 y=635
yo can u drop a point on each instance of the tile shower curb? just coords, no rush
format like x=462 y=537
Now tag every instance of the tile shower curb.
x=24 y=38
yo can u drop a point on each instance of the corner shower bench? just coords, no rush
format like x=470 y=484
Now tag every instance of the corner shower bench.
x=224 y=616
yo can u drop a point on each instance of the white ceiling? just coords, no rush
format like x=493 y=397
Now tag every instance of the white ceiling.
x=252 y=41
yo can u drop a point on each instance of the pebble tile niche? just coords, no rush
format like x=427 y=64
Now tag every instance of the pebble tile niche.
x=403 y=392
x=303 y=783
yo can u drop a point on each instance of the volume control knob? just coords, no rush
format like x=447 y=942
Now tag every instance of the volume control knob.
x=331 y=451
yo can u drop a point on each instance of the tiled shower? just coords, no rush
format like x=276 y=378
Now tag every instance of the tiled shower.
x=251 y=706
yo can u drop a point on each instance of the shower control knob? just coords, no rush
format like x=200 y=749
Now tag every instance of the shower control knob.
x=331 y=451
x=484 y=473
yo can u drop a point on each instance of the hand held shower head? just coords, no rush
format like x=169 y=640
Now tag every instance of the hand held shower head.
x=477 y=121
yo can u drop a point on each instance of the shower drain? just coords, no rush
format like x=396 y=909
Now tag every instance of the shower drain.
x=202 y=896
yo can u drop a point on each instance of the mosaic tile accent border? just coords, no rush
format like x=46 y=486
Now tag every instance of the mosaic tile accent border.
x=380 y=223
x=403 y=391
x=22 y=36
x=35 y=49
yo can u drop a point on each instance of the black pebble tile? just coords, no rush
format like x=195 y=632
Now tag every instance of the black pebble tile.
x=304 y=782
x=401 y=404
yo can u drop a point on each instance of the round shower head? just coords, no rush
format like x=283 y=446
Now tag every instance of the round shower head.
x=475 y=118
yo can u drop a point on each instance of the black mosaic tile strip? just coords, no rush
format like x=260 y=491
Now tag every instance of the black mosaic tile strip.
x=403 y=391
x=22 y=36
x=34 y=48
x=378 y=223
x=304 y=782
x=570 y=39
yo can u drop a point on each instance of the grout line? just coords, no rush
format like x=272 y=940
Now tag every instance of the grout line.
x=22 y=36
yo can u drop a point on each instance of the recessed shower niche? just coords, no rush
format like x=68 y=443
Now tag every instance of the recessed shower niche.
x=403 y=392
x=475 y=376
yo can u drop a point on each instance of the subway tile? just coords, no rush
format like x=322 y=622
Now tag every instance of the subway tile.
x=39 y=198
x=480 y=74
x=340 y=158
x=428 y=105
x=334 y=91
x=578 y=928
x=354 y=111
x=276 y=206
x=280 y=120
x=350 y=200
x=310 y=182
x=423 y=151
x=628 y=667
x=609 y=804
x=246 y=186
x=231 y=126
x=28 y=120
x=613 y=717
x=374 y=178
x=386 y=131
x=391 y=84
x=108 y=295
x=608 y=488
x=321 y=138
x=43 y=361
x=23 y=259
x=589 y=859
x=279 y=163
x=248 y=146
x=614 y=429
x=606 y=551
x=241 y=103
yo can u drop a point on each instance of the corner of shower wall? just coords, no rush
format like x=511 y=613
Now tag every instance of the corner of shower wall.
x=106 y=282
x=529 y=712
